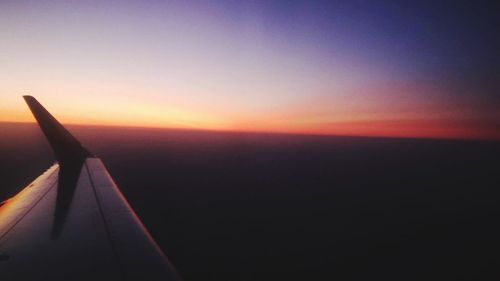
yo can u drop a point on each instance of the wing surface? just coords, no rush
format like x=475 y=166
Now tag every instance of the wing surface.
x=73 y=223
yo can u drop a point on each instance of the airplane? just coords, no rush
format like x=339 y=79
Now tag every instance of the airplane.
x=73 y=223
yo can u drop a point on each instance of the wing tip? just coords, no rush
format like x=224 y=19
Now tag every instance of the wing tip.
x=29 y=98
x=66 y=147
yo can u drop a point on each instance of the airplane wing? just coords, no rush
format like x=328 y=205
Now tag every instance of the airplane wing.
x=73 y=223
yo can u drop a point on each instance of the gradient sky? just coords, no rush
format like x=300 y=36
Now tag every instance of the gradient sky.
x=382 y=68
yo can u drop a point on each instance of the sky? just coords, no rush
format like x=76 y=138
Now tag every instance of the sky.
x=362 y=68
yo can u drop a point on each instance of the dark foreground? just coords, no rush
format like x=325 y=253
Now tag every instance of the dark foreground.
x=230 y=206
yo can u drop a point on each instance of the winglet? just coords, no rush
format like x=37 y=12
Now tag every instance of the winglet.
x=67 y=148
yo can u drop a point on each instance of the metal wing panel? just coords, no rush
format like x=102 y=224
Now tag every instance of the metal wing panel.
x=13 y=209
x=138 y=254
x=101 y=237
x=81 y=252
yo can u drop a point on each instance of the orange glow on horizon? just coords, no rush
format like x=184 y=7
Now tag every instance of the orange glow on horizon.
x=390 y=128
x=317 y=117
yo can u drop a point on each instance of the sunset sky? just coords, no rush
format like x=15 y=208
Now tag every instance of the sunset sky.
x=389 y=68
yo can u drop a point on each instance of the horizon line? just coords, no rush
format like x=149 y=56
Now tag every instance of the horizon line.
x=276 y=132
